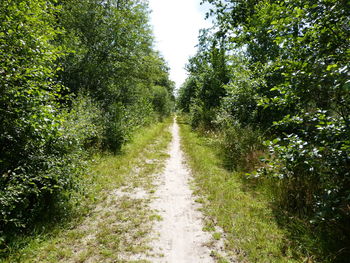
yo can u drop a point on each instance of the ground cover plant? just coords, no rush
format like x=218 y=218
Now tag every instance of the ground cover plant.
x=72 y=83
x=271 y=79
x=245 y=215
x=110 y=221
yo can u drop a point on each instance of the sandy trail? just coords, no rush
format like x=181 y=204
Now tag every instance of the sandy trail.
x=181 y=238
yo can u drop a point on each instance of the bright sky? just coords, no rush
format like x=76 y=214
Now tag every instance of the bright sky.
x=176 y=25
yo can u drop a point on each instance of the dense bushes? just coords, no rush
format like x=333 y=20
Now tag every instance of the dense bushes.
x=241 y=146
x=110 y=56
x=34 y=166
x=82 y=127
x=75 y=76
x=288 y=71
x=312 y=166
x=161 y=100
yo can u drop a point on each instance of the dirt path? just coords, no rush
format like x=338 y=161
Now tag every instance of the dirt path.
x=150 y=217
x=181 y=238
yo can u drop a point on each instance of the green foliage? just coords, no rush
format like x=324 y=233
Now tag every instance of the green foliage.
x=111 y=57
x=202 y=93
x=33 y=168
x=187 y=93
x=121 y=121
x=74 y=76
x=107 y=172
x=288 y=76
x=161 y=101
x=313 y=165
x=240 y=102
x=82 y=127
x=241 y=147
x=251 y=230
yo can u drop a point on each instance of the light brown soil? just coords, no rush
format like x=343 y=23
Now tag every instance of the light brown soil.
x=181 y=238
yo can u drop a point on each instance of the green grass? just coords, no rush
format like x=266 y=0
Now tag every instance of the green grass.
x=110 y=223
x=244 y=214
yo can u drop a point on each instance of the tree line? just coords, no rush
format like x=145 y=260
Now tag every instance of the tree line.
x=76 y=76
x=271 y=79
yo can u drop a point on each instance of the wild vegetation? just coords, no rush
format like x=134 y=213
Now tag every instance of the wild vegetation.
x=113 y=220
x=270 y=82
x=76 y=77
x=269 y=85
x=244 y=214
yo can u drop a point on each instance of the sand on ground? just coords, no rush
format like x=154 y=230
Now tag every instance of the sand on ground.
x=181 y=238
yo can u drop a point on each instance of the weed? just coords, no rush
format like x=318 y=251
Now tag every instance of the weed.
x=246 y=217
x=112 y=219
x=217 y=235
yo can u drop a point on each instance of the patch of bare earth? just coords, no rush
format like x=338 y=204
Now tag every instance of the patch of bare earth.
x=180 y=236
x=118 y=229
x=152 y=218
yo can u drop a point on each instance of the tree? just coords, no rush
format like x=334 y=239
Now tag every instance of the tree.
x=32 y=163
x=112 y=59
x=292 y=83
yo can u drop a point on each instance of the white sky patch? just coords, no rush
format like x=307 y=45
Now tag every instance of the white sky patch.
x=176 y=25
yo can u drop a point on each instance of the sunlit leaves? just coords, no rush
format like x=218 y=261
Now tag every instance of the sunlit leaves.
x=73 y=75
x=293 y=83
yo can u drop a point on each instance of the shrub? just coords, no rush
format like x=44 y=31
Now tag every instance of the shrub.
x=241 y=146
x=35 y=166
x=83 y=123
x=120 y=121
x=161 y=101
x=311 y=170
x=314 y=162
x=39 y=184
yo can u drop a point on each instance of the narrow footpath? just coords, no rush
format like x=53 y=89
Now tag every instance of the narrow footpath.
x=181 y=238
x=145 y=212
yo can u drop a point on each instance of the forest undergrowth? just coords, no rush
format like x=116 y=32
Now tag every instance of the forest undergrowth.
x=110 y=221
x=72 y=84
x=268 y=93
x=256 y=229
x=270 y=83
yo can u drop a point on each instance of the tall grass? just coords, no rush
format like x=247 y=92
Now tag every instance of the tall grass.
x=244 y=212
